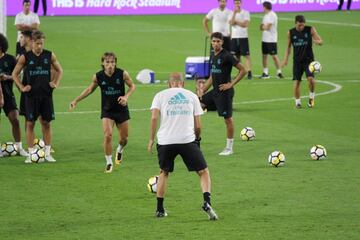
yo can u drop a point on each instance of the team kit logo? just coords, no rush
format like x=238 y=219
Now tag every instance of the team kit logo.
x=179 y=98
x=177 y=106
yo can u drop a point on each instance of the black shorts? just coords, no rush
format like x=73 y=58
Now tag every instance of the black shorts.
x=223 y=102
x=269 y=48
x=207 y=101
x=118 y=117
x=189 y=152
x=39 y=106
x=9 y=104
x=240 y=46
x=299 y=68
x=22 y=111
x=226 y=45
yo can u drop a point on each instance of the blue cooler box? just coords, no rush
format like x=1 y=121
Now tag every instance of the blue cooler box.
x=197 y=67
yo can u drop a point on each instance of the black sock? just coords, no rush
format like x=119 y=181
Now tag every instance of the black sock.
x=207 y=197
x=160 y=206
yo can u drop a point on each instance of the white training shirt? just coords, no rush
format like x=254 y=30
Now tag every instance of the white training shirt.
x=28 y=19
x=271 y=34
x=238 y=31
x=177 y=107
x=220 y=20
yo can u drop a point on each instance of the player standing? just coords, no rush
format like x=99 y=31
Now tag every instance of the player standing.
x=301 y=38
x=39 y=90
x=114 y=108
x=221 y=64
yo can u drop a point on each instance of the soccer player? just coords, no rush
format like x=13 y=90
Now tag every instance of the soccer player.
x=220 y=22
x=39 y=90
x=301 y=38
x=114 y=104
x=221 y=63
x=239 y=35
x=179 y=111
x=7 y=65
x=25 y=21
x=269 y=40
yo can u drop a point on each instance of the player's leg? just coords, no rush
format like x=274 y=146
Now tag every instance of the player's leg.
x=229 y=123
x=340 y=4
x=36 y=6
x=311 y=82
x=46 y=115
x=348 y=5
x=13 y=117
x=273 y=52
x=296 y=92
x=265 y=52
x=160 y=193
x=44 y=7
x=123 y=129
x=108 y=125
x=30 y=136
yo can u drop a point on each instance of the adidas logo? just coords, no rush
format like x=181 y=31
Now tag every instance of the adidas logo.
x=103 y=83
x=31 y=62
x=179 y=98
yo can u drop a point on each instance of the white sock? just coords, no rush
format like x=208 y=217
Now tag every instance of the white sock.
x=229 y=143
x=312 y=95
x=278 y=71
x=298 y=101
x=266 y=71
x=18 y=145
x=120 y=148
x=47 y=150
x=108 y=159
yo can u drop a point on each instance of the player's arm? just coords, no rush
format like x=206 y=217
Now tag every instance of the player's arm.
x=207 y=85
x=54 y=83
x=206 y=26
x=241 y=73
x=287 y=51
x=5 y=77
x=1 y=97
x=153 y=125
x=265 y=27
x=89 y=90
x=16 y=75
x=197 y=127
x=243 y=24
x=131 y=88
x=316 y=37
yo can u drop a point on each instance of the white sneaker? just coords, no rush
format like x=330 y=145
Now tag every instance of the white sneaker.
x=49 y=159
x=23 y=153
x=226 y=152
x=28 y=160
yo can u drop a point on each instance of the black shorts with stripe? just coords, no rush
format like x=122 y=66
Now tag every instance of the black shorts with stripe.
x=240 y=47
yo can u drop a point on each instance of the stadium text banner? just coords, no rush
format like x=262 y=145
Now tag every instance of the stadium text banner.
x=145 y=7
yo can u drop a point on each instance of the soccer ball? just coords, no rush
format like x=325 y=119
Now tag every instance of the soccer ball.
x=37 y=156
x=276 y=159
x=39 y=143
x=152 y=184
x=315 y=67
x=8 y=149
x=247 y=134
x=318 y=152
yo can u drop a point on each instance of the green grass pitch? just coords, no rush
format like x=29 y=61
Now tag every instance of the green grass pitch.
x=305 y=199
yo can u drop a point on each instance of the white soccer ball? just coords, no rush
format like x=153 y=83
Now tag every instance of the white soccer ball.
x=276 y=159
x=318 y=152
x=315 y=67
x=152 y=184
x=39 y=143
x=8 y=149
x=37 y=156
x=247 y=134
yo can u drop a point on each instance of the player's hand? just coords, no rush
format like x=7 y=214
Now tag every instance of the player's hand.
x=261 y=27
x=53 y=85
x=72 y=105
x=2 y=77
x=26 y=88
x=122 y=100
x=284 y=63
x=225 y=86
x=150 y=146
x=197 y=141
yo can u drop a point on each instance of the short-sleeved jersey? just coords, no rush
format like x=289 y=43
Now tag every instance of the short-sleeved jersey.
x=38 y=71
x=302 y=44
x=177 y=107
x=221 y=66
x=7 y=65
x=271 y=34
x=238 y=31
x=220 y=20
x=27 y=19
x=112 y=87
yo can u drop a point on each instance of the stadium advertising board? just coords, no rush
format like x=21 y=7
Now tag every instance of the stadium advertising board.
x=146 y=7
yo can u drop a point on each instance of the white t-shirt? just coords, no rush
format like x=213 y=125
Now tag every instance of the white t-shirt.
x=238 y=31
x=271 y=34
x=220 y=20
x=3 y=17
x=28 y=19
x=177 y=107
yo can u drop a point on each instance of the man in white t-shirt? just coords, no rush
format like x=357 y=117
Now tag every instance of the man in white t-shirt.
x=220 y=22
x=25 y=21
x=269 y=40
x=179 y=134
x=3 y=17
x=239 y=22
